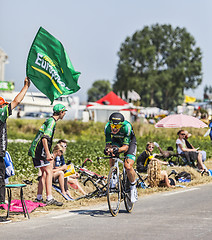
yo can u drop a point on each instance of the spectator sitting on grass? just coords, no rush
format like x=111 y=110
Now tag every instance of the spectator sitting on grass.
x=200 y=152
x=71 y=179
x=191 y=154
x=58 y=170
x=145 y=157
x=158 y=178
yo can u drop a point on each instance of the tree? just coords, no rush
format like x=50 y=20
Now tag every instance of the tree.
x=159 y=62
x=207 y=92
x=98 y=90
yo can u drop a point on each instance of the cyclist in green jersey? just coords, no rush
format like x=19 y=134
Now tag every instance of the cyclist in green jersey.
x=120 y=138
x=42 y=158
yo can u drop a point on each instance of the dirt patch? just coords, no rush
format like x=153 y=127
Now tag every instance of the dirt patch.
x=30 y=193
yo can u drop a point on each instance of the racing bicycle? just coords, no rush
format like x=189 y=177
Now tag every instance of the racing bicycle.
x=97 y=181
x=118 y=187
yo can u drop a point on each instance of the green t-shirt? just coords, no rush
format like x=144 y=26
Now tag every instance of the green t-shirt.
x=46 y=131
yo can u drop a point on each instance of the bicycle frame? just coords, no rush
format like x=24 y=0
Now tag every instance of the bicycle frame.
x=116 y=164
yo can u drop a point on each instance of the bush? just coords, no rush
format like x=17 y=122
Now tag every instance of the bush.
x=87 y=141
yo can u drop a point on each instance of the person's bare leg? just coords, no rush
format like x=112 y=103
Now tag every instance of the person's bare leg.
x=164 y=176
x=199 y=162
x=41 y=181
x=128 y=164
x=48 y=170
x=66 y=187
x=61 y=182
x=68 y=194
x=75 y=181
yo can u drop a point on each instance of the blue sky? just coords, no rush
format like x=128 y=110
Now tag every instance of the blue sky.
x=92 y=32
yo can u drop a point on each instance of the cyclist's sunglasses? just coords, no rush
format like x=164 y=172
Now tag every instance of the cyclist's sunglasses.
x=117 y=126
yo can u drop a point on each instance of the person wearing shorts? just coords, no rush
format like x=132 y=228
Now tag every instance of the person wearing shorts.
x=120 y=138
x=42 y=158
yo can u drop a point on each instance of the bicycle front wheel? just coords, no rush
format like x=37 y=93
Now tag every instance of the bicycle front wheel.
x=113 y=192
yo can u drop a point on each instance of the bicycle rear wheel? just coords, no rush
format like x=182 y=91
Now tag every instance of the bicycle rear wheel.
x=113 y=192
x=127 y=196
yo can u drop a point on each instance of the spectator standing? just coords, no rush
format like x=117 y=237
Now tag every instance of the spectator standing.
x=5 y=111
x=19 y=113
x=42 y=158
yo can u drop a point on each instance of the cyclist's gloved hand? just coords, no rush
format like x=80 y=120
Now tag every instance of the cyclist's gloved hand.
x=116 y=151
x=106 y=151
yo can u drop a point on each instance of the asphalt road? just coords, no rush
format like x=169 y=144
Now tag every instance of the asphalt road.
x=182 y=214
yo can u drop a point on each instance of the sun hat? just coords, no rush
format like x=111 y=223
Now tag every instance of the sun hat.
x=58 y=108
x=2 y=101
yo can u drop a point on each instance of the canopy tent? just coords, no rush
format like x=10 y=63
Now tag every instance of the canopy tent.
x=101 y=109
x=111 y=99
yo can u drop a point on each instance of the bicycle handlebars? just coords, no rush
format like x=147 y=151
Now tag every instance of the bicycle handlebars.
x=109 y=157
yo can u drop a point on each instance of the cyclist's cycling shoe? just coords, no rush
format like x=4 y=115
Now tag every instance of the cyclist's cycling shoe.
x=133 y=193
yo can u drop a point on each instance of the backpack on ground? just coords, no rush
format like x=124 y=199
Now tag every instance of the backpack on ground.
x=183 y=177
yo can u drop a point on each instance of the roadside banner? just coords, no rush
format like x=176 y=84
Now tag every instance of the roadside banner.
x=49 y=67
x=7 y=86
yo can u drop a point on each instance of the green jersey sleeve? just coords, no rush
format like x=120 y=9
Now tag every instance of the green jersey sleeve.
x=108 y=133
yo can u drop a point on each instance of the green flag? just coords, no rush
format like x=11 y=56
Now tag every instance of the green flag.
x=49 y=67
